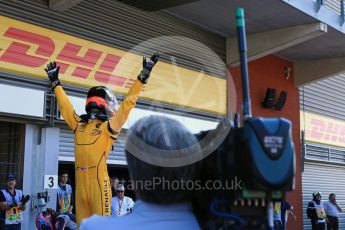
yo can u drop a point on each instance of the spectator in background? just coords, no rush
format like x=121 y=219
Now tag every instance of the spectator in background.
x=51 y=220
x=287 y=210
x=332 y=208
x=121 y=204
x=12 y=204
x=316 y=212
x=158 y=207
x=281 y=211
x=64 y=194
x=113 y=183
x=277 y=215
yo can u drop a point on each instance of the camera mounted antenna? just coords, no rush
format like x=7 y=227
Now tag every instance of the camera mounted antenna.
x=265 y=144
x=242 y=46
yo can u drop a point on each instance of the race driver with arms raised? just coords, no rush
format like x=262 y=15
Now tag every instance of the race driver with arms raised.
x=94 y=135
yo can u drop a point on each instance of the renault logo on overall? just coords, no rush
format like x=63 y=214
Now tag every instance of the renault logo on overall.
x=106 y=196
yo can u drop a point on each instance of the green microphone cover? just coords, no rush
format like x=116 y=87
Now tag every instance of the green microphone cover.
x=239 y=17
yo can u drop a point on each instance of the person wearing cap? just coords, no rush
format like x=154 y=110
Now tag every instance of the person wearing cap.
x=316 y=212
x=11 y=205
x=121 y=204
x=332 y=209
x=156 y=149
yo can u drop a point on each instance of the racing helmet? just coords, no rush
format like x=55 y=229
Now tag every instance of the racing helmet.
x=43 y=221
x=102 y=99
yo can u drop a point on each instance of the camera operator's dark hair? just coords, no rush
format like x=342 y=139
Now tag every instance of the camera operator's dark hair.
x=161 y=134
x=332 y=194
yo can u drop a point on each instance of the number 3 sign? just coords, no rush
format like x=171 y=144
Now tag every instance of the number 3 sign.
x=50 y=181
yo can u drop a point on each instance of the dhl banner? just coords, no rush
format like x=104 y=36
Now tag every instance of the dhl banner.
x=322 y=129
x=26 y=49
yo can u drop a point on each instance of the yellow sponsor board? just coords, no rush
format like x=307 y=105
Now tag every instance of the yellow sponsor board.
x=323 y=129
x=26 y=49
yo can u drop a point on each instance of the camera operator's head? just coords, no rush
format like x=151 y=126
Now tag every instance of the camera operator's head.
x=163 y=139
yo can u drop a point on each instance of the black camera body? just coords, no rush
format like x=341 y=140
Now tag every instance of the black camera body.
x=255 y=164
x=265 y=154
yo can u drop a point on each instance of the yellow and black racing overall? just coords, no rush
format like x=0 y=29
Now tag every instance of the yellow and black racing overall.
x=93 y=140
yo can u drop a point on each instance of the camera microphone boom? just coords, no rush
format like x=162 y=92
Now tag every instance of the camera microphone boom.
x=260 y=153
x=265 y=144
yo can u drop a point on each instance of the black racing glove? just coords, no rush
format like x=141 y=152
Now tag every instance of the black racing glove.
x=14 y=204
x=25 y=199
x=147 y=68
x=53 y=74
